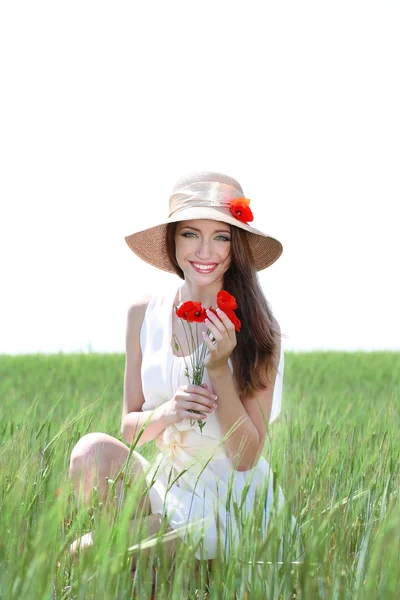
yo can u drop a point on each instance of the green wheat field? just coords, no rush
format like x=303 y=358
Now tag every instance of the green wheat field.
x=334 y=450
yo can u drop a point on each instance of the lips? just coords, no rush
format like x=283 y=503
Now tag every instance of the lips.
x=208 y=270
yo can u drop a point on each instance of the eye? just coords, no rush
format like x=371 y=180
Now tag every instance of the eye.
x=188 y=233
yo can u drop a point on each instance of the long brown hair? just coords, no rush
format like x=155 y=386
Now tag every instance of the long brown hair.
x=259 y=335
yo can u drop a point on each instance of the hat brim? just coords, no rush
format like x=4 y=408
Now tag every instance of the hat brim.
x=150 y=244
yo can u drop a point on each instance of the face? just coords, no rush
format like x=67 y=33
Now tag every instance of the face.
x=203 y=249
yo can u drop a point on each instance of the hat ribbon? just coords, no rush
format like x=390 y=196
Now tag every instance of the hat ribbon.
x=203 y=193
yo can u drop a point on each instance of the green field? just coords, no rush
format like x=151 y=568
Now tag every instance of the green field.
x=334 y=448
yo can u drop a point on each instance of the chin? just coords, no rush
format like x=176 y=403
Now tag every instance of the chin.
x=206 y=280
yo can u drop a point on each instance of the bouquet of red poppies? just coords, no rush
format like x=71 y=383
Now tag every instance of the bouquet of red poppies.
x=193 y=312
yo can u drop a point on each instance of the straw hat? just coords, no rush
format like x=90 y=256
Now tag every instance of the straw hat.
x=205 y=195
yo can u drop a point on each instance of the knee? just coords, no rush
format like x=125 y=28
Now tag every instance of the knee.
x=84 y=453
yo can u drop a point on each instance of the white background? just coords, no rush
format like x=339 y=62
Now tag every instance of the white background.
x=105 y=104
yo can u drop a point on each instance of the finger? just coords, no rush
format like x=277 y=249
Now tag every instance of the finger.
x=206 y=401
x=198 y=389
x=218 y=335
x=197 y=406
x=215 y=321
x=199 y=417
x=225 y=320
x=208 y=342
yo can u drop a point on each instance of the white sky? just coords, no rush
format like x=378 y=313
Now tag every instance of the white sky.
x=105 y=104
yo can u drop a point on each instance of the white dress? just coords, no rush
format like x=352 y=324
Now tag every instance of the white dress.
x=199 y=496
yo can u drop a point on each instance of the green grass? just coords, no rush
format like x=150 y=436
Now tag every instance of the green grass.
x=334 y=448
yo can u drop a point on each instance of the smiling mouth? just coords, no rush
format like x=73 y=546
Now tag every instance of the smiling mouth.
x=203 y=268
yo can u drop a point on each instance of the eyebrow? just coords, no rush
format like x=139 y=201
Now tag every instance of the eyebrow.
x=195 y=229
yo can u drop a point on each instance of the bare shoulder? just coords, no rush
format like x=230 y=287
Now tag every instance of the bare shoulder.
x=137 y=309
x=134 y=322
x=133 y=392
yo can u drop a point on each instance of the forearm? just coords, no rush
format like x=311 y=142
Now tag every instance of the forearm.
x=134 y=421
x=245 y=437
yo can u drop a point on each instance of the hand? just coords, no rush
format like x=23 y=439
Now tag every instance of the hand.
x=224 y=334
x=189 y=397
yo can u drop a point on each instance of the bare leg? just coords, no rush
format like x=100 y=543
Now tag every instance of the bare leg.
x=152 y=526
x=153 y=523
x=97 y=456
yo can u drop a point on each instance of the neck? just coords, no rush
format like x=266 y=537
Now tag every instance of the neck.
x=206 y=294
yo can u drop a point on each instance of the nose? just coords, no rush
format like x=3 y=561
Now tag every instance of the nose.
x=204 y=250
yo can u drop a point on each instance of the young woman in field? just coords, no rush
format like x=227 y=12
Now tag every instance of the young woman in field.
x=207 y=241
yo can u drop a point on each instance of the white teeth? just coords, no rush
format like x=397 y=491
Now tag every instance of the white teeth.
x=203 y=268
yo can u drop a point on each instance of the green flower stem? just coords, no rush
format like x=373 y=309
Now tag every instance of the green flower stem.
x=197 y=369
x=197 y=349
x=180 y=347
x=187 y=339
x=192 y=338
x=204 y=348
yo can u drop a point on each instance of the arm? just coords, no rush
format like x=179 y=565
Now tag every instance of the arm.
x=248 y=437
x=133 y=418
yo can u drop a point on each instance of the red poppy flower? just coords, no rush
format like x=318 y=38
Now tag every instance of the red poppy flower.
x=192 y=312
x=232 y=316
x=241 y=210
x=225 y=301
x=227 y=310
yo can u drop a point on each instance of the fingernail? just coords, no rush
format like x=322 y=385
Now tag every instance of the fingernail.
x=214 y=396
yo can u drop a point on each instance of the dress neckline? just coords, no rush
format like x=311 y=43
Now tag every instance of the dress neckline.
x=170 y=309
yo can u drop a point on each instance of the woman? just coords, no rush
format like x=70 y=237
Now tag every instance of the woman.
x=207 y=241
